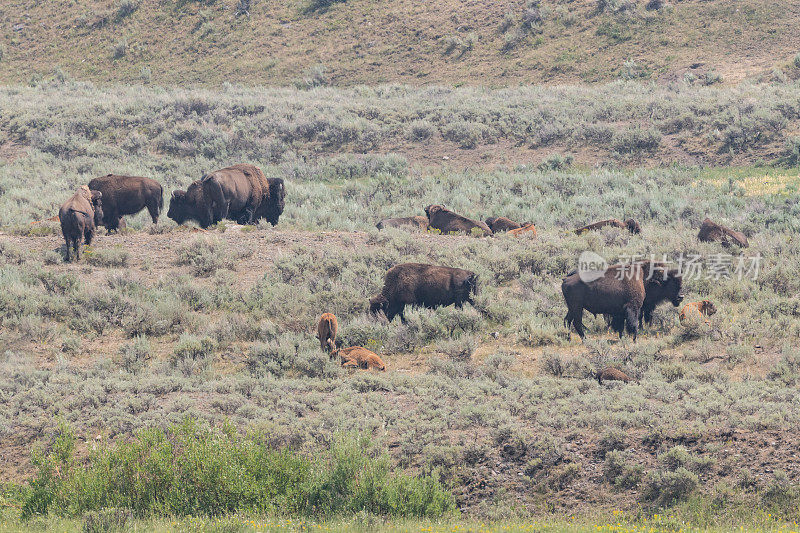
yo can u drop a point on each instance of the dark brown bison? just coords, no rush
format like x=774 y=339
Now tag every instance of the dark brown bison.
x=424 y=285
x=629 y=224
x=326 y=332
x=127 y=195
x=79 y=216
x=501 y=224
x=416 y=222
x=241 y=193
x=447 y=221
x=713 y=232
x=664 y=285
x=620 y=293
x=613 y=374
x=358 y=357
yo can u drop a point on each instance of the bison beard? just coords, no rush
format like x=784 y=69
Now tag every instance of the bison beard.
x=418 y=284
x=127 y=195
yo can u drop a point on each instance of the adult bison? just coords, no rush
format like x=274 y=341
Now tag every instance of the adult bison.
x=447 y=221
x=241 y=193
x=414 y=222
x=620 y=293
x=127 y=195
x=418 y=284
x=501 y=224
x=629 y=224
x=79 y=216
x=713 y=232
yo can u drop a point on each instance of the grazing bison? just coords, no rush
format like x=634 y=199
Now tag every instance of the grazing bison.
x=417 y=222
x=529 y=229
x=127 y=195
x=629 y=224
x=241 y=193
x=696 y=311
x=713 y=232
x=501 y=224
x=358 y=357
x=613 y=374
x=326 y=332
x=447 y=221
x=79 y=216
x=426 y=285
x=619 y=293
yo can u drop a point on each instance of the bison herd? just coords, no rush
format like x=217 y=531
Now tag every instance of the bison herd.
x=244 y=194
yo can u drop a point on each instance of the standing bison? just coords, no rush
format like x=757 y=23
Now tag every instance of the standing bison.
x=241 y=193
x=713 y=232
x=446 y=221
x=79 y=216
x=127 y=195
x=418 y=284
x=620 y=293
x=629 y=224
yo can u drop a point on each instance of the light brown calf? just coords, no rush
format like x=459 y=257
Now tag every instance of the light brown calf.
x=326 y=332
x=697 y=310
x=358 y=357
x=526 y=229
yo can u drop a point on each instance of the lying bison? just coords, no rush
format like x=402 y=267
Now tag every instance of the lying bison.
x=241 y=193
x=713 y=232
x=502 y=224
x=527 y=229
x=416 y=222
x=79 y=216
x=127 y=195
x=418 y=284
x=629 y=224
x=446 y=221
x=622 y=293
x=359 y=357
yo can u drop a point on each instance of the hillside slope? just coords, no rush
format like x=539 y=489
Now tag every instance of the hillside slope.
x=498 y=42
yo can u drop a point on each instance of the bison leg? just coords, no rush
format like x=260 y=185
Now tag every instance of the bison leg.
x=66 y=249
x=152 y=208
x=632 y=321
x=577 y=321
x=88 y=235
x=76 y=248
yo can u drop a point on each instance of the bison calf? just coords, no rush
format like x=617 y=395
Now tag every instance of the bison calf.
x=326 y=332
x=358 y=357
x=713 y=232
x=696 y=311
x=527 y=229
x=127 y=195
x=418 y=284
x=629 y=224
x=79 y=216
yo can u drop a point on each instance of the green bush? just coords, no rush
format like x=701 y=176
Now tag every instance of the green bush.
x=191 y=470
x=205 y=256
x=667 y=488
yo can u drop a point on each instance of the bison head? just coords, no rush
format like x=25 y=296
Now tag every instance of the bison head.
x=633 y=226
x=178 y=208
x=666 y=285
x=431 y=210
x=378 y=304
x=97 y=205
x=277 y=194
x=707 y=307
